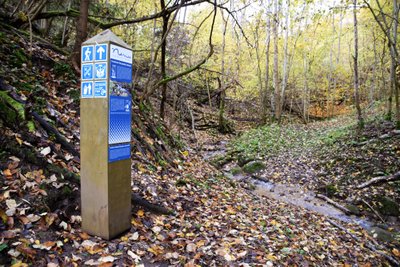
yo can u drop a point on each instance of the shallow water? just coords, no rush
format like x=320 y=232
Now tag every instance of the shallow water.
x=292 y=194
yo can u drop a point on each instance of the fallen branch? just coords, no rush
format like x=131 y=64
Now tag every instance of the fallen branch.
x=333 y=203
x=368 y=245
x=373 y=210
x=137 y=200
x=61 y=139
x=379 y=180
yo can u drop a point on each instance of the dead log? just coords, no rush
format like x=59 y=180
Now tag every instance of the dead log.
x=380 y=180
x=333 y=203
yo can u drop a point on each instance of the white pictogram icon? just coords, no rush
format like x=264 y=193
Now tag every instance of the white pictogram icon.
x=87 y=89
x=100 y=51
x=88 y=53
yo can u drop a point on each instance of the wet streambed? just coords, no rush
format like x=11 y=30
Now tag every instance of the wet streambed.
x=292 y=194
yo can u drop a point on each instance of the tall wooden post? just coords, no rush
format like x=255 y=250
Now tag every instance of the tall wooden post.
x=106 y=135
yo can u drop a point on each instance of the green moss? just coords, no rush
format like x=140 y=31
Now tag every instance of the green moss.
x=14 y=112
x=253 y=167
x=62 y=69
x=18 y=58
x=388 y=206
x=181 y=182
x=236 y=170
x=330 y=190
x=66 y=191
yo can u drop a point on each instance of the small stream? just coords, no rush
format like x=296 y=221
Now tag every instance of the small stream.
x=292 y=194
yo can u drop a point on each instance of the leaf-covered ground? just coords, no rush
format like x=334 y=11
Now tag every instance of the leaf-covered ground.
x=216 y=222
x=332 y=158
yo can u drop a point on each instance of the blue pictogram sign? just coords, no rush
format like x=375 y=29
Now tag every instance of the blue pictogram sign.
x=100 y=70
x=100 y=89
x=87 y=72
x=101 y=52
x=86 y=89
x=87 y=53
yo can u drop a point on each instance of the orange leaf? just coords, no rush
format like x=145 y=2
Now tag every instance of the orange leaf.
x=7 y=173
x=396 y=252
x=27 y=251
x=84 y=236
x=140 y=213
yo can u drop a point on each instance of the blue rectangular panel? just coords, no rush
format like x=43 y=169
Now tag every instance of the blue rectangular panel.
x=119 y=120
x=100 y=89
x=86 y=89
x=120 y=71
x=87 y=72
x=101 y=52
x=100 y=70
x=119 y=152
x=87 y=53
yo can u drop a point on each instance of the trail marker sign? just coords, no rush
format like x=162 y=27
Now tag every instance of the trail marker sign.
x=106 y=135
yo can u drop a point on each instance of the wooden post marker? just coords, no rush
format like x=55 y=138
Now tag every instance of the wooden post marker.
x=106 y=106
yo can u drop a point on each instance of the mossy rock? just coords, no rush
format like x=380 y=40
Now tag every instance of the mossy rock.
x=388 y=206
x=381 y=234
x=353 y=209
x=244 y=159
x=236 y=170
x=253 y=167
x=221 y=160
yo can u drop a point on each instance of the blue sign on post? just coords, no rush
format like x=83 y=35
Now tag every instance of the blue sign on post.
x=100 y=70
x=87 y=53
x=100 y=89
x=101 y=52
x=86 y=89
x=119 y=152
x=87 y=72
x=120 y=64
x=119 y=124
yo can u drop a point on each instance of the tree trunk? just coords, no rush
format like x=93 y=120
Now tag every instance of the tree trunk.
x=163 y=57
x=356 y=80
x=277 y=95
x=395 y=60
x=285 y=55
x=221 y=119
x=266 y=88
x=81 y=33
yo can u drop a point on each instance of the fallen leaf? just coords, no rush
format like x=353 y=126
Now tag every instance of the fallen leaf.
x=7 y=173
x=396 y=252
x=33 y=217
x=191 y=247
x=84 y=236
x=92 y=262
x=19 y=264
x=107 y=259
x=27 y=251
x=8 y=234
x=136 y=258
x=140 y=213
x=45 y=151
x=135 y=236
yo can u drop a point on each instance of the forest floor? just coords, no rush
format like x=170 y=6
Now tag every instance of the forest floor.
x=216 y=221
